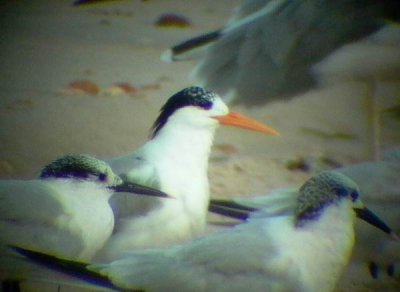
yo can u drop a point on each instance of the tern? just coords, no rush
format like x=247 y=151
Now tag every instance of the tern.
x=303 y=249
x=64 y=212
x=269 y=47
x=175 y=161
x=379 y=182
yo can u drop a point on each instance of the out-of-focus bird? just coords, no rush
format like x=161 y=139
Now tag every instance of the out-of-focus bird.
x=302 y=249
x=379 y=182
x=64 y=212
x=269 y=47
x=174 y=160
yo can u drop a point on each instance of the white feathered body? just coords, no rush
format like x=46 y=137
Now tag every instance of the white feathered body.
x=177 y=166
x=60 y=217
x=266 y=254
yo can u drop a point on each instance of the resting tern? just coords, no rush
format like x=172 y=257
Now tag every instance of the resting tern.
x=64 y=212
x=379 y=182
x=175 y=161
x=303 y=249
x=269 y=47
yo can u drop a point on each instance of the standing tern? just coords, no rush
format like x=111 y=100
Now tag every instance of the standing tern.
x=268 y=49
x=175 y=161
x=65 y=212
x=304 y=249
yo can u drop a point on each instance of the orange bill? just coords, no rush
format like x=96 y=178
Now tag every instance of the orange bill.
x=237 y=120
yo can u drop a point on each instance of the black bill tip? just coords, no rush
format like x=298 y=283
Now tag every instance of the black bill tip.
x=368 y=216
x=128 y=187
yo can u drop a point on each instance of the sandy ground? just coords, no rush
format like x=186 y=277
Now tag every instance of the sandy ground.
x=47 y=45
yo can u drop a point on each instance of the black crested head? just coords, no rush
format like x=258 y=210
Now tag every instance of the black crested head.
x=76 y=166
x=190 y=96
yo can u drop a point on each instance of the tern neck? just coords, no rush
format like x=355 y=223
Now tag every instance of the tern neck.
x=180 y=152
x=185 y=143
x=330 y=237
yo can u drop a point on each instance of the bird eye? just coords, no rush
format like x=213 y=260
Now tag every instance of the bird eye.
x=354 y=196
x=102 y=177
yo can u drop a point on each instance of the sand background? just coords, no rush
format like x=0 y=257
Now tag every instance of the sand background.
x=46 y=45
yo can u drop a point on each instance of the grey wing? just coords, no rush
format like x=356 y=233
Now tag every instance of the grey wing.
x=250 y=55
x=32 y=216
x=28 y=202
x=247 y=8
x=227 y=261
x=270 y=52
x=276 y=203
x=135 y=168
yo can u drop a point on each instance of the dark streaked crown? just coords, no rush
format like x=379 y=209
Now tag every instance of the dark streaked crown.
x=77 y=166
x=190 y=96
x=322 y=190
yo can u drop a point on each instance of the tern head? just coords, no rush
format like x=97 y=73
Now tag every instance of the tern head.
x=199 y=107
x=327 y=188
x=81 y=167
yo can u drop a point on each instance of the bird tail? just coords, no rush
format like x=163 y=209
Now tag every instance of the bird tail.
x=78 y=270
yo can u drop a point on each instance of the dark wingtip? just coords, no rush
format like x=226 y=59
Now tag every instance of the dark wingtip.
x=194 y=43
x=232 y=204
x=90 y=2
x=226 y=212
x=72 y=268
x=230 y=209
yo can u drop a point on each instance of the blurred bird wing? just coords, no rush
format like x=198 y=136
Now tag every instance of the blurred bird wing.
x=247 y=8
x=268 y=27
x=136 y=169
x=205 y=264
x=33 y=214
x=278 y=202
x=29 y=202
x=256 y=46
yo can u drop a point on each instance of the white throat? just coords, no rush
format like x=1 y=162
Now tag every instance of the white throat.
x=330 y=238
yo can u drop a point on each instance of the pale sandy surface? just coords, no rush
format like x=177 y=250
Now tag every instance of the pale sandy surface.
x=45 y=45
